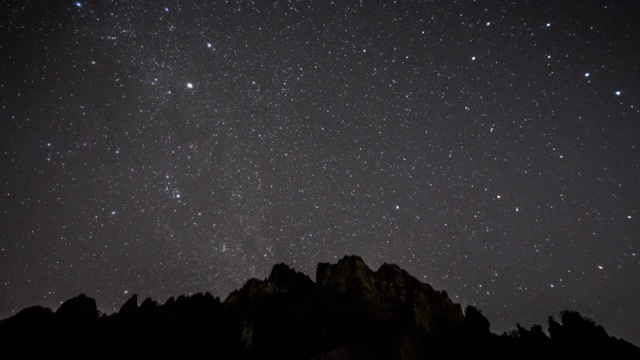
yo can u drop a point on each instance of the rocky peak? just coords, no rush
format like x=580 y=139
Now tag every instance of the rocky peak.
x=349 y=273
x=80 y=308
x=392 y=290
x=129 y=307
x=148 y=305
x=282 y=280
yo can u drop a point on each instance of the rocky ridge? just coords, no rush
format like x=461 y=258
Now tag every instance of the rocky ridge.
x=348 y=312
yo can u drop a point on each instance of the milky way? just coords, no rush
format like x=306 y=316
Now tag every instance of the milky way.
x=162 y=148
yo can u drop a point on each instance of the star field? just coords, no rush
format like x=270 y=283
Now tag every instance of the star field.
x=489 y=148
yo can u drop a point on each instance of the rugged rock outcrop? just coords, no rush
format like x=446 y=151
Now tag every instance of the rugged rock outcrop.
x=349 y=307
x=283 y=281
x=130 y=307
x=80 y=309
x=392 y=290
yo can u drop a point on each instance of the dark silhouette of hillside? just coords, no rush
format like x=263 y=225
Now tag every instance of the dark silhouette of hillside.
x=349 y=312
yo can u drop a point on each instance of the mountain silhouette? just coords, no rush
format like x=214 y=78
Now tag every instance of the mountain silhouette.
x=348 y=312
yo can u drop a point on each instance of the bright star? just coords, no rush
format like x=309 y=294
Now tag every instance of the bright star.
x=618 y=93
x=190 y=85
x=587 y=74
x=78 y=4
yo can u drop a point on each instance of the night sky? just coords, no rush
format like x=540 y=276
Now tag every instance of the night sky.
x=162 y=148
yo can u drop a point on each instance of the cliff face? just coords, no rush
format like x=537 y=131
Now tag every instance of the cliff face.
x=349 y=308
x=394 y=291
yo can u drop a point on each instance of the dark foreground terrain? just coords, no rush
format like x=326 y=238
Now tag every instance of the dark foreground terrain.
x=349 y=312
